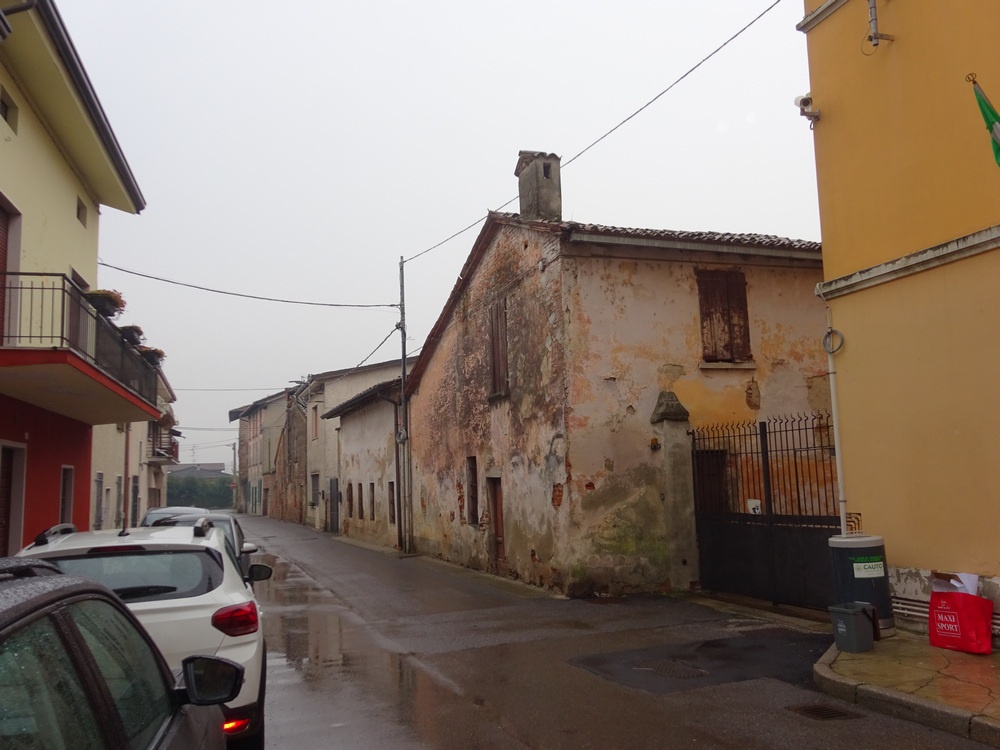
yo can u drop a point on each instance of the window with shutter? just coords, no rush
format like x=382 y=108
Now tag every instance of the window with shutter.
x=725 y=329
x=499 y=380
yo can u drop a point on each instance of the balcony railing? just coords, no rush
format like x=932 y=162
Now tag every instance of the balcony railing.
x=49 y=311
x=163 y=447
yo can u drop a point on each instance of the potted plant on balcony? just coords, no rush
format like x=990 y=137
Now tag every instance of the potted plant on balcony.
x=131 y=334
x=107 y=302
x=152 y=355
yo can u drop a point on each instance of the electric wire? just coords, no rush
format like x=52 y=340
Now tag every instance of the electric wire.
x=460 y=232
x=227 y=390
x=572 y=159
x=240 y=294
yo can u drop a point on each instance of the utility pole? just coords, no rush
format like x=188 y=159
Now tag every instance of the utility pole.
x=403 y=437
x=235 y=480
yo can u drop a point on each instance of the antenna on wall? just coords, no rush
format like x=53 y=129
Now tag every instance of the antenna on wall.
x=874 y=36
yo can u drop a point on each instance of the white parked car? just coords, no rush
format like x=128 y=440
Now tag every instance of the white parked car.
x=185 y=586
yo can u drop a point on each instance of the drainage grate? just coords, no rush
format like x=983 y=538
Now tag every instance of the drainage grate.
x=670 y=668
x=822 y=713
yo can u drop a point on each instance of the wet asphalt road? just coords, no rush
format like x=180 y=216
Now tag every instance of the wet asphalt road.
x=368 y=649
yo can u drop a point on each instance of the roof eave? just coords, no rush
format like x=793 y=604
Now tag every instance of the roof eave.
x=64 y=96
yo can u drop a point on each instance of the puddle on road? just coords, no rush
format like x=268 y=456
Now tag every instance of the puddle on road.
x=330 y=683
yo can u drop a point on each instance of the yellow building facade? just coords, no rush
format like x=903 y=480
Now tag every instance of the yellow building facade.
x=909 y=197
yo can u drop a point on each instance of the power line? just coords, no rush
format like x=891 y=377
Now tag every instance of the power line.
x=572 y=159
x=227 y=390
x=239 y=294
x=207 y=429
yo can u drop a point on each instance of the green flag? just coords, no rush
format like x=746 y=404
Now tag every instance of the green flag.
x=992 y=120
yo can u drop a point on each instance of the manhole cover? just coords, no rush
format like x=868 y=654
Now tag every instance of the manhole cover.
x=822 y=713
x=671 y=668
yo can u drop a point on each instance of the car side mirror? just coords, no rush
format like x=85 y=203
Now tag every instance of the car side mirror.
x=209 y=680
x=259 y=572
x=249 y=548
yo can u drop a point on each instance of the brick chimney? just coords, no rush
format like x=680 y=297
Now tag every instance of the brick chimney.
x=538 y=185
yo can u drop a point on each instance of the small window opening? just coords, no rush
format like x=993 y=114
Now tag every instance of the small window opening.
x=8 y=110
x=81 y=212
x=472 y=483
x=547 y=171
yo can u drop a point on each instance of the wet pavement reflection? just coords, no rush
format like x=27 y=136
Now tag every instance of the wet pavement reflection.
x=322 y=671
x=331 y=684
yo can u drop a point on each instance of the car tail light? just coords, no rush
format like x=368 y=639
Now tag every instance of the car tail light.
x=240 y=619
x=233 y=726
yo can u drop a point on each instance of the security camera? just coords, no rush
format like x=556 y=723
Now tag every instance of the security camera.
x=804 y=102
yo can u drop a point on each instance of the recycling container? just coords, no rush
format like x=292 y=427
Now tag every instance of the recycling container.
x=853 y=626
x=860 y=574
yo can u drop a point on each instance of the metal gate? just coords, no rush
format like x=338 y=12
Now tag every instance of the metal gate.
x=765 y=505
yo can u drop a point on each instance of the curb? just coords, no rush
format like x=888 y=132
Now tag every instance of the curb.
x=957 y=721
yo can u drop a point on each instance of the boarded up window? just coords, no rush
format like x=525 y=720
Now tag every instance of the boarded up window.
x=472 y=482
x=499 y=383
x=725 y=330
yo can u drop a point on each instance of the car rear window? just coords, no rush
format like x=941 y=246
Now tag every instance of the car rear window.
x=150 y=575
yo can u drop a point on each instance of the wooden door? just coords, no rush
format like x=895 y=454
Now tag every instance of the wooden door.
x=496 y=500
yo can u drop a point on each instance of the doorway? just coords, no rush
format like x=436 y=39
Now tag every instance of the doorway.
x=12 y=460
x=495 y=491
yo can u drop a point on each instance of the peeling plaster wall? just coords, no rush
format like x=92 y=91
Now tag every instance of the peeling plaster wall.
x=368 y=455
x=589 y=505
x=518 y=439
x=634 y=330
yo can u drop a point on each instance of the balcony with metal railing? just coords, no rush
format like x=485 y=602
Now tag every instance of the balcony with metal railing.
x=162 y=446
x=57 y=352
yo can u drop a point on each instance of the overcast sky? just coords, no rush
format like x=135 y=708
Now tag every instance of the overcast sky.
x=298 y=150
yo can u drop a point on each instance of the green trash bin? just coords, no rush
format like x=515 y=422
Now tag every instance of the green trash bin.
x=854 y=626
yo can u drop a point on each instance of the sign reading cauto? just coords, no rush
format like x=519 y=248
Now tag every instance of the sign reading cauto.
x=869 y=569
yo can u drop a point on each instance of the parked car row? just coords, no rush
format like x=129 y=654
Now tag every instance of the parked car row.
x=156 y=627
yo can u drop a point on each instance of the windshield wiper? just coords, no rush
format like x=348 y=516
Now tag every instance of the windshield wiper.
x=134 y=592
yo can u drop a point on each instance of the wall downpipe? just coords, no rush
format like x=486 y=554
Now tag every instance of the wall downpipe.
x=833 y=341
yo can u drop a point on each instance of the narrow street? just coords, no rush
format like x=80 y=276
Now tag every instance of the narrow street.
x=368 y=649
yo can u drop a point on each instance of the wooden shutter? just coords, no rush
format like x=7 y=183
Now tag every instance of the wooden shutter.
x=725 y=329
x=712 y=299
x=498 y=348
x=739 y=318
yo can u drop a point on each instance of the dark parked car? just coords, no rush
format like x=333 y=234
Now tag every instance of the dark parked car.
x=78 y=670
x=154 y=514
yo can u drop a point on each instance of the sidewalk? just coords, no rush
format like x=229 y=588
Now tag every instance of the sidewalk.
x=904 y=676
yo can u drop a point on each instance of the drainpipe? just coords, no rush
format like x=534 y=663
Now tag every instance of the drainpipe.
x=128 y=478
x=833 y=341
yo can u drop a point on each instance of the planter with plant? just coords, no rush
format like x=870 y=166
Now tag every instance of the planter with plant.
x=131 y=334
x=107 y=302
x=152 y=355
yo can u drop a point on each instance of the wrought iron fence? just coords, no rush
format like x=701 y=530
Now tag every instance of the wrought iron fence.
x=784 y=466
x=49 y=311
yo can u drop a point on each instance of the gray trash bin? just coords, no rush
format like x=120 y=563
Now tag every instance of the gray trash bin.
x=854 y=626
